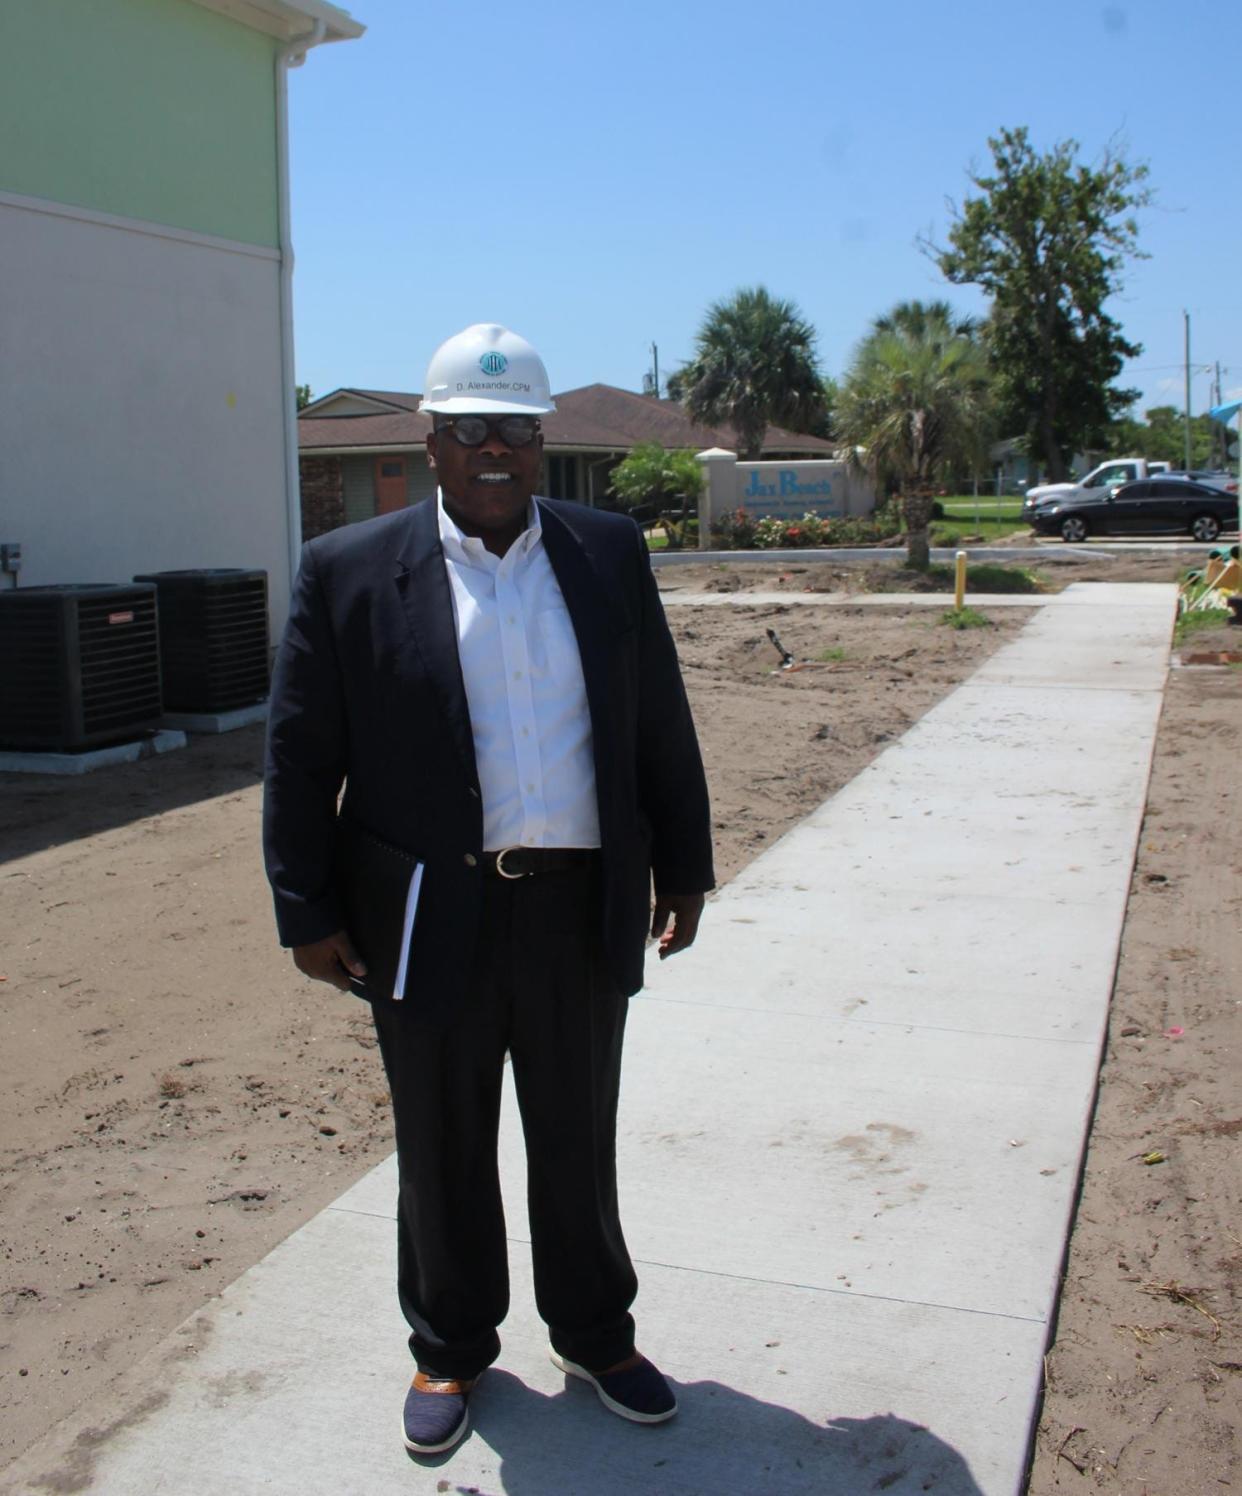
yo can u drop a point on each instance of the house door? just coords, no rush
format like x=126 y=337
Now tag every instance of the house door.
x=390 y=491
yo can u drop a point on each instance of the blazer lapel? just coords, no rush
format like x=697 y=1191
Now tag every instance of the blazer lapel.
x=423 y=586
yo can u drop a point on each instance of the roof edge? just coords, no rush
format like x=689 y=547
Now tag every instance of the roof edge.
x=382 y=406
x=287 y=20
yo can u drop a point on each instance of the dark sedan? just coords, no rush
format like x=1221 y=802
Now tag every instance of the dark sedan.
x=1152 y=506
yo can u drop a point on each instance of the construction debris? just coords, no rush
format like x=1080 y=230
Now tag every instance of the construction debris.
x=1214 y=586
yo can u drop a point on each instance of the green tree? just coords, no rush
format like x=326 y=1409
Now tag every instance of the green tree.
x=1161 y=435
x=667 y=482
x=916 y=403
x=921 y=317
x=303 y=395
x=754 y=366
x=825 y=425
x=1046 y=238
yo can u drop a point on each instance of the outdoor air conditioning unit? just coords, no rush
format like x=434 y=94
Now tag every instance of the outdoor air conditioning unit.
x=79 y=665
x=213 y=638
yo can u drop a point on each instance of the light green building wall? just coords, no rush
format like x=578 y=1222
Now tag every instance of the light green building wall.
x=151 y=109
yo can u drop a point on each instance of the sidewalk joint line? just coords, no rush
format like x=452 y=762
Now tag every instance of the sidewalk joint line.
x=847 y=1293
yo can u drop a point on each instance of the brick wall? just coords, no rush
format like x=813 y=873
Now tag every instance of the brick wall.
x=323 y=495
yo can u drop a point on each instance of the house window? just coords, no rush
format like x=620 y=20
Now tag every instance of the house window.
x=562 y=477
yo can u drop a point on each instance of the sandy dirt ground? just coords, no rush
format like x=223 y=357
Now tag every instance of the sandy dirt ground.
x=1144 y=1380
x=175 y=1100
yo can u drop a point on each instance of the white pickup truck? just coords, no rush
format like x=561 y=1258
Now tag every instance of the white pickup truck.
x=1110 y=474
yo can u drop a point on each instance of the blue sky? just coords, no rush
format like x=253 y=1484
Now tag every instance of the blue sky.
x=594 y=176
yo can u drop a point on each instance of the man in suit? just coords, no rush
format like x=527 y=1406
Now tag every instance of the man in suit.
x=490 y=677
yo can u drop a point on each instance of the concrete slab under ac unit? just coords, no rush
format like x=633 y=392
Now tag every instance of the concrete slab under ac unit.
x=212 y=722
x=20 y=761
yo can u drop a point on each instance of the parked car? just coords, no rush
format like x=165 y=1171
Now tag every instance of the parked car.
x=1153 y=506
x=1227 y=482
x=1110 y=474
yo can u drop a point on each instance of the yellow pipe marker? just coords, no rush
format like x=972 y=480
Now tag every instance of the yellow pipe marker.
x=959 y=582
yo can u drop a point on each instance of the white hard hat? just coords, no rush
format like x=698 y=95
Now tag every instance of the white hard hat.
x=487 y=369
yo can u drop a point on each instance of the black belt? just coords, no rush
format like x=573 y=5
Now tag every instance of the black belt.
x=525 y=862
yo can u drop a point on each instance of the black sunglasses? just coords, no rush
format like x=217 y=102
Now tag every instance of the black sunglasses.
x=472 y=431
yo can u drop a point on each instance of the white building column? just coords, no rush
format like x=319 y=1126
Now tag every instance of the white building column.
x=719 y=494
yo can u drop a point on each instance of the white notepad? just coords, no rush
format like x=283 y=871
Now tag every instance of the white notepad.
x=407 y=930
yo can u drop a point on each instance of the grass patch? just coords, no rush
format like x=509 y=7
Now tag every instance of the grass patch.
x=986 y=576
x=965 y=618
x=963 y=506
x=831 y=656
x=950 y=531
x=986 y=518
x=1189 y=624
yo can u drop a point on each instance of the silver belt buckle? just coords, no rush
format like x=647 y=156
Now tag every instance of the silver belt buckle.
x=500 y=863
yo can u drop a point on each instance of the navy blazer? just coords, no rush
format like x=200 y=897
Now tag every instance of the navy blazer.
x=367 y=692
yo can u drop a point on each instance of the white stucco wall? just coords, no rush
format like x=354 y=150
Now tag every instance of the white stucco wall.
x=141 y=401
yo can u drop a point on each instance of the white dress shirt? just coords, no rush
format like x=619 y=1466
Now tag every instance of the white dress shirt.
x=524 y=686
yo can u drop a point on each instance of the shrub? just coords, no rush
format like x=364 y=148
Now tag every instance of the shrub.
x=966 y=618
x=740 y=530
x=735 y=531
x=651 y=476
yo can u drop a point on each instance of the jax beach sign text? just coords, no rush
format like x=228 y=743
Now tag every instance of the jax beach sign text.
x=791 y=489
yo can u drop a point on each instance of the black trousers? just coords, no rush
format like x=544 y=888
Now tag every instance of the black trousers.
x=538 y=989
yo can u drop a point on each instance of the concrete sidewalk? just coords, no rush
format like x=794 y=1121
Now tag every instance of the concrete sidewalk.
x=672 y=598
x=852 y=1124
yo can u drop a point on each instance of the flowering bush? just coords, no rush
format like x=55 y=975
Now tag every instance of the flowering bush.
x=741 y=531
x=735 y=531
x=770 y=533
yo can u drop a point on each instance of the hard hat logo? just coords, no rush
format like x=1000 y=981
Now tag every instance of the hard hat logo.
x=493 y=363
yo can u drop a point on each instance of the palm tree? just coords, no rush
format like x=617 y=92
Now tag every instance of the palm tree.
x=754 y=366
x=921 y=317
x=914 y=402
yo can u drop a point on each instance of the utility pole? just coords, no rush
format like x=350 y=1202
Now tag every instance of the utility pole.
x=1186 y=317
x=1220 y=434
x=655 y=365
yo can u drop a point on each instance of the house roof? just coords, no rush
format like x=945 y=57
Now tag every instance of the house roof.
x=597 y=417
x=289 y=19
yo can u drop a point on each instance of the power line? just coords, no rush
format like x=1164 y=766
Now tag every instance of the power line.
x=1155 y=368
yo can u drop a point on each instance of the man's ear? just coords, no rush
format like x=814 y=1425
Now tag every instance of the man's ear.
x=431 y=449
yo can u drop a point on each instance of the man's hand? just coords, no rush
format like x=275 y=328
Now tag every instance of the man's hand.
x=332 y=959
x=685 y=910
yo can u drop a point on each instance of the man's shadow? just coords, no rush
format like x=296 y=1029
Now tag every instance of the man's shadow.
x=722 y=1443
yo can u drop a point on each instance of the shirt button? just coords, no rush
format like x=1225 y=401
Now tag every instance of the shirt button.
x=471 y=860
x=517 y=675
x=512 y=619
x=530 y=789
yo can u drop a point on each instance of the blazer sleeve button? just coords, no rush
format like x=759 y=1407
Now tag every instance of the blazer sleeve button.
x=474 y=794
x=471 y=860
